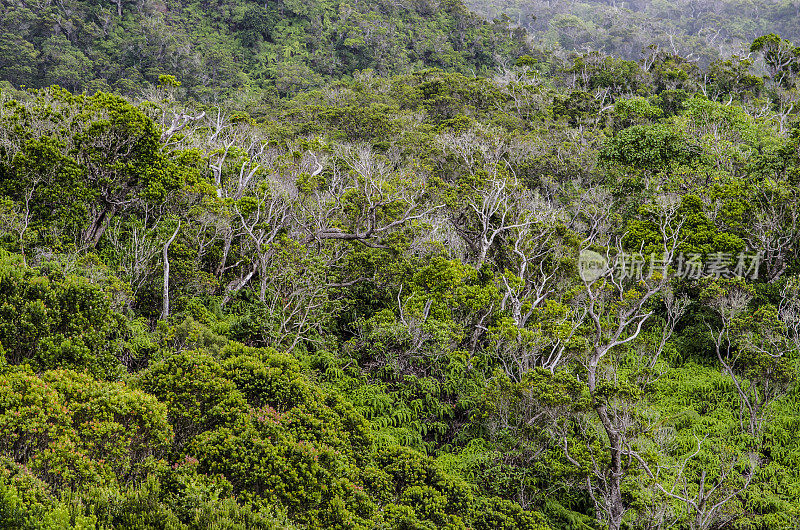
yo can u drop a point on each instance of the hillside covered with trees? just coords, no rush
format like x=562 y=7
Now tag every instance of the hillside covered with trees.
x=484 y=288
x=239 y=49
x=697 y=30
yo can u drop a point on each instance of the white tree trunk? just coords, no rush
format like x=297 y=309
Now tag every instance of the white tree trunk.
x=165 y=293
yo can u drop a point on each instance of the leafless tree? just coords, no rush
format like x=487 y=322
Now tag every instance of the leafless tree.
x=617 y=306
x=774 y=230
x=16 y=218
x=363 y=201
x=180 y=120
x=296 y=295
x=493 y=211
x=706 y=500
x=136 y=246
x=165 y=287
x=535 y=274
x=756 y=347
x=789 y=311
x=262 y=224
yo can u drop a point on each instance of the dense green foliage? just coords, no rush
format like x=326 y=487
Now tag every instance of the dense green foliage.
x=385 y=295
x=238 y=49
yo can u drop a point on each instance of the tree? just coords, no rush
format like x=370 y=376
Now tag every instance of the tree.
x=752 y=349
x=780 y=57
x=500 y=207
x=165 y=288
x=721 y=480
x=99 y=165
x=774 y=229
x=51 y=320
x=84 y=431
x=617 y=302
x=364 y=201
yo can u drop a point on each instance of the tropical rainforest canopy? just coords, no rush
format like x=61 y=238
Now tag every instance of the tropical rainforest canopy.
x=380 y=264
